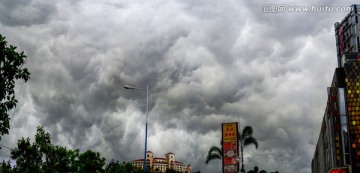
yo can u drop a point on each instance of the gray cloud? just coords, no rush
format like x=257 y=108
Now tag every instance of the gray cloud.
x=26 y=13
x=206 y=62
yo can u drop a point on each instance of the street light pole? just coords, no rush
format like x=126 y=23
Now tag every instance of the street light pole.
x=146 y=116
x=219 y=165
x=146 y=125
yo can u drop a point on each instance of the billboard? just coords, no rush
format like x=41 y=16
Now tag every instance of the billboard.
x=230 y=147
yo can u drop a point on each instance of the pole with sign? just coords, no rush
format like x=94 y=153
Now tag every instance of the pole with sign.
x=230 y=147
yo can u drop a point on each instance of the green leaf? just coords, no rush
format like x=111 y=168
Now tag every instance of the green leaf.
x=11 y=68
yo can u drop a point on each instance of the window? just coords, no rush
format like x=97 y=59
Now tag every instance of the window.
x=344 y=128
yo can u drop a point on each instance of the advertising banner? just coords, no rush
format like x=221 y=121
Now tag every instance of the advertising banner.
x=230 y=147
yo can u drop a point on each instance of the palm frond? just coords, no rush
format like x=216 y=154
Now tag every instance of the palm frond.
x=247 y=131
x=251 y=141
x=212 y=157
x=214 y=153
x=215 y=149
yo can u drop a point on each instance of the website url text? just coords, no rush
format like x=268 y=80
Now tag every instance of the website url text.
x=281 y=8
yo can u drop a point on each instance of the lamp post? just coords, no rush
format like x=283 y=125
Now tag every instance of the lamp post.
x=242 y=168
x=147 y=114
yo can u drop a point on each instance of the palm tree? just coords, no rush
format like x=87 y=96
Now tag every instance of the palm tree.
x=213 y=154
x=245 y=139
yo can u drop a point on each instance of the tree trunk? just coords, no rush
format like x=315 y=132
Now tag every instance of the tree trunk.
x=242 y=159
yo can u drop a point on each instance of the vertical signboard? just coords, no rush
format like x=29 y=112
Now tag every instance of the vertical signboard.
x=230 y=147
x=341 y=40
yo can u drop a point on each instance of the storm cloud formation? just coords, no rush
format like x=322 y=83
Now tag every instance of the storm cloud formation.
x=206 y=62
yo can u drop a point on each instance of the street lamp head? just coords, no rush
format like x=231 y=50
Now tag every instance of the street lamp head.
x=129 y=87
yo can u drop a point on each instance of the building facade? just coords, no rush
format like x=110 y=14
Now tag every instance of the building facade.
x=162 y=164
x=332 y=150
x=338 y=146
x=347 y=33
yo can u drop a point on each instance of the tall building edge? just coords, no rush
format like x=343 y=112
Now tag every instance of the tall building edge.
x=338 y=146
x=332 y=149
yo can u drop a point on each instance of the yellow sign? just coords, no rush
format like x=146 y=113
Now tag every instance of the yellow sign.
x=229 y=132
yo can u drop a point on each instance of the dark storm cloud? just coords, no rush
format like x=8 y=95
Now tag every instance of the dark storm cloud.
x=25 y=13
x=206 y=62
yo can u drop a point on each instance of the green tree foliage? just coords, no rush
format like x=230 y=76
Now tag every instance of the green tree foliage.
x=61 y=159
x=113 y=167
x=27 y=156
x=117 y=167
x=5 y=167
x=91 y=162
x=11 y=69
x=43 y=157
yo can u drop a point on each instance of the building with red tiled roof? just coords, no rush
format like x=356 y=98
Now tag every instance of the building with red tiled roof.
x=162 y=164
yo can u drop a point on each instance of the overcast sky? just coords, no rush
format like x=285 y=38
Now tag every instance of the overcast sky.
x=205 y=62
